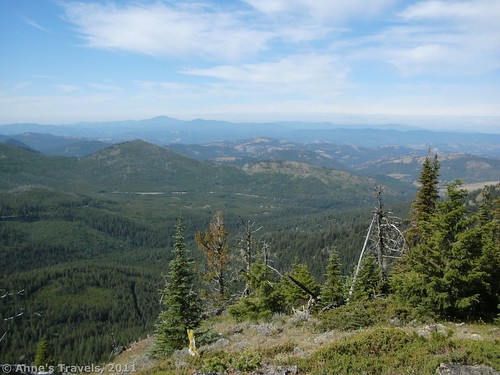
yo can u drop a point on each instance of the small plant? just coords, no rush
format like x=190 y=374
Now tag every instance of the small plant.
x=215 y=364
x=285 y=348
x=247 y=361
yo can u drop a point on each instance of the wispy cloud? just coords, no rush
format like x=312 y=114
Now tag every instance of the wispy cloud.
x=32 y=23
x=325 y=10
x=67 y=88
x=101 y=87
x=163 y=29
x=312 y=70
x=443 y=38
x=21 y=85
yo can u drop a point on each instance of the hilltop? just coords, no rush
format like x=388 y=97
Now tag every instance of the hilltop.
x=302 y=344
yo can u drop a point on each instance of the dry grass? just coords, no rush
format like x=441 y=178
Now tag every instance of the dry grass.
x=283 y=342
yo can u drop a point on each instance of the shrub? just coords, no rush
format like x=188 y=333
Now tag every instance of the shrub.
x=247 y=361
x=361 y=314
x=392 y=351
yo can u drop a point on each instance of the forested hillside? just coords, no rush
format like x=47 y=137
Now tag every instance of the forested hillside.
x=85 y=241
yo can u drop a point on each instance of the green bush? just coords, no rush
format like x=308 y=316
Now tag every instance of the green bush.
x=247 y=361
x=393 y=351
x=220 y=362
x=363 y=314
x=217 y=363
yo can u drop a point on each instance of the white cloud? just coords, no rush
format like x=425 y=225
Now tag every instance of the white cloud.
x=168 y=30
x=484 y=10
x=434 y=39
x=299 y=69
x=21 y=85
x=452 y=38
x=166 y=86
x=326 y=10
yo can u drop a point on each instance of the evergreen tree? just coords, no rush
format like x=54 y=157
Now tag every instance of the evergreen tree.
x=369 y=282
x=42 y=354
x=264 y=298
x=181 y=305
x=452 y=273
x=426 y=200
x=476 y=255
x=293 y=295
x=332 y=291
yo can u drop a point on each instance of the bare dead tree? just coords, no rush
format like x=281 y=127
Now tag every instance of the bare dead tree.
x=383 y=239
x=21 y=312
x=247 y=248
x=265 y=252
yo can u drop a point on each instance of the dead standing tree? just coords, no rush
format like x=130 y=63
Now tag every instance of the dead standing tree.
x=383 y=239
x=17 y=314
x=213 y=243
x=247 y=249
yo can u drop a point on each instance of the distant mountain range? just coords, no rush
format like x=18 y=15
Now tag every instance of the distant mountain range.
x=398 y=154
x=402 y=163
x=164 y=130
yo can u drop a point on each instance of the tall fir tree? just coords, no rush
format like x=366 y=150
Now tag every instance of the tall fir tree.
x=424 y=206
x=181 y=307
x=452 y=272
x=332 y=291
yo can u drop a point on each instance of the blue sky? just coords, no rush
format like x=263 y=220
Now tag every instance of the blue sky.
x=429 y=63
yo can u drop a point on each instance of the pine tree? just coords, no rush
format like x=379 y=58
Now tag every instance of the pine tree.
x=452 y=273
x=332 y=291
x=293 y=295
x=181 y=307
x=264 y=298
x=369 y=282
x=42 y=354
x=425 y=203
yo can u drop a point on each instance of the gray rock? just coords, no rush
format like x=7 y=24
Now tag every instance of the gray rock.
x=458 y=369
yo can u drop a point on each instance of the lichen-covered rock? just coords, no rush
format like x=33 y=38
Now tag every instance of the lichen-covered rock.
x=458 y=369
